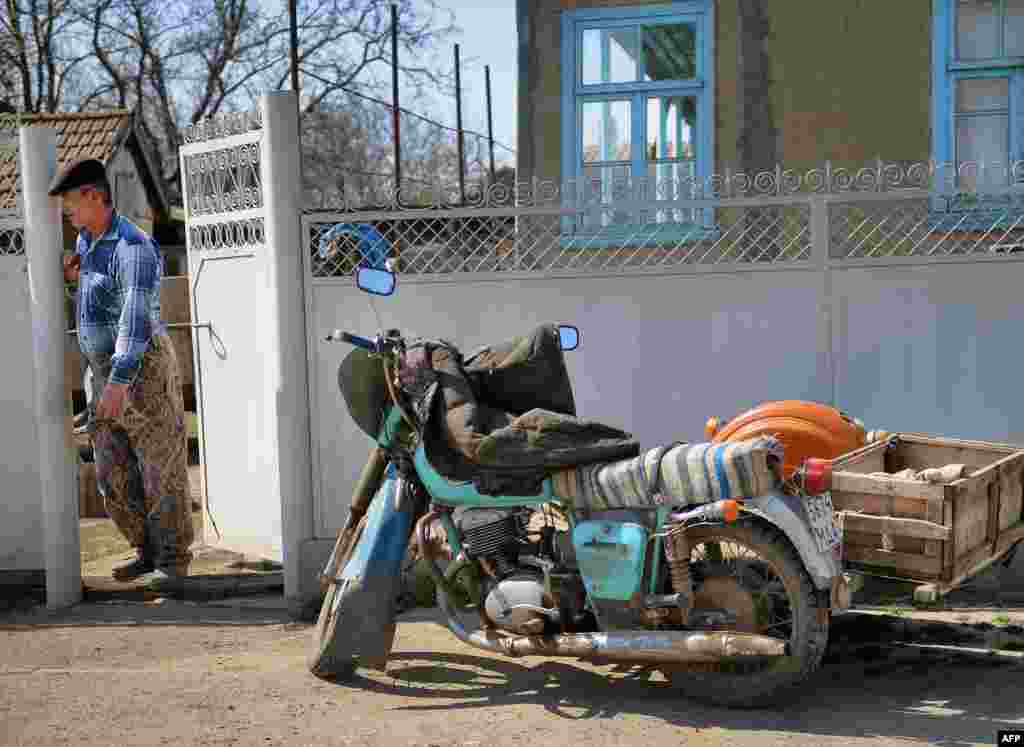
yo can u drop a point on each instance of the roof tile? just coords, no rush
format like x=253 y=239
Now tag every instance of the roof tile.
x=89 y=135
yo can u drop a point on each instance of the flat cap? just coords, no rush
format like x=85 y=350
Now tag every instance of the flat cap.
x=76 y=174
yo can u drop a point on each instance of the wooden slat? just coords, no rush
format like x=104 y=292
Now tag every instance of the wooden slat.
x=1013 y=497
x=994 y=495
x=1010 y=537
x=912 y=565
x=924 y=439
x=890 y=525
x=880 y=505
x=917 y=455
x=868 y=458
x=949 y=547
x=971 y=512
x=854 y=482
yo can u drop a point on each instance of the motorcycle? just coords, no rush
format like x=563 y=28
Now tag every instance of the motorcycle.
x=730 y=598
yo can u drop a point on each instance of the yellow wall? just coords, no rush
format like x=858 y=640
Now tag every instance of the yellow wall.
x=848 y=81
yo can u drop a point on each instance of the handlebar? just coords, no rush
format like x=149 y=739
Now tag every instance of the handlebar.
x=359 y=342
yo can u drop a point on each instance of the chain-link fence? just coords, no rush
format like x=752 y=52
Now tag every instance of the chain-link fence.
x=12 y=234
x=725 y=219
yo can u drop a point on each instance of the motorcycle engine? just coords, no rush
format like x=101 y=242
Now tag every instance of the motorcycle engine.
x=515 y=597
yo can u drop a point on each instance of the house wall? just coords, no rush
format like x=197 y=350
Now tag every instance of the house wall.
x=850 y=80
x=130 y=196
x=796 y=83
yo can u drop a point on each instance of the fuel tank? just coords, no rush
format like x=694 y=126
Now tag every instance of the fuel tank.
x=806 y=429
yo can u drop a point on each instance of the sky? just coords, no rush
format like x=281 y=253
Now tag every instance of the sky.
x=488 y=38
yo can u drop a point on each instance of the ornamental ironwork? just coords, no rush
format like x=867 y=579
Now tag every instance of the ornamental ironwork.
x=227 y=236
x=224 y=181
x=222 y=125
x=950 y=179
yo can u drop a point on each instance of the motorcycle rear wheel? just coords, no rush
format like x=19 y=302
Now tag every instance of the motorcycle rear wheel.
x=773 y=555
x=330 y=655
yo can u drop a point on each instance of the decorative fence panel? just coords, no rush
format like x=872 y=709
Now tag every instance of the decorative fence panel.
x=222 y=162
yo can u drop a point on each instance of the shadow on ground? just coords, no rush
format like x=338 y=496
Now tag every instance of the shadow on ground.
x=926 y=697
x=920 y=696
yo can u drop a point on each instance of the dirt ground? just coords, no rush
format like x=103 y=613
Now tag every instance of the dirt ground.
x=233 y=673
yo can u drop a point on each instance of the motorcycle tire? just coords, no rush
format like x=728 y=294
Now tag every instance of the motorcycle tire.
x=330 y=655
x=717 y=684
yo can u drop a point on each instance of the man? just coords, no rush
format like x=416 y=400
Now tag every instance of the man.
x=138 y=433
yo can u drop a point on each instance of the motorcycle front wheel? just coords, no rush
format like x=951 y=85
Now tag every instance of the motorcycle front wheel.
x=751 y=571
x=330 y=655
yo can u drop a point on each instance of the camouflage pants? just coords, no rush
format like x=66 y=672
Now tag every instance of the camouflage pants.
x=142 y=461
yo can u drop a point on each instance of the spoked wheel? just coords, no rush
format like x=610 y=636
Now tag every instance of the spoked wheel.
x=330 y=655
x=753 y=574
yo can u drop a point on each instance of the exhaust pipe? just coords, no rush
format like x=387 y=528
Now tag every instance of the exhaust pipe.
x=659 y=647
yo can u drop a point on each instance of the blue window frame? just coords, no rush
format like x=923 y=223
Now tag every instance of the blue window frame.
x=637 y=118
x=977 y=95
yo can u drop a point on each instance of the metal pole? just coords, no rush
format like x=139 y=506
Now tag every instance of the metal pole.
x=293 y=20
x=43 y=244
x=490 y=118
x=458 y=125
x=396 y=112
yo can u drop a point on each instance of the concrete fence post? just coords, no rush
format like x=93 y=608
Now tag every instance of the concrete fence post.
x=43 y=246
x=820 y=251
x=286 y=344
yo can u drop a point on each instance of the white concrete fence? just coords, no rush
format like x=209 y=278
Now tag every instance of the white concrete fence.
x=881 y=304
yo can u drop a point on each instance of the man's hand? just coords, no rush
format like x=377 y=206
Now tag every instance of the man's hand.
x=72 y=265
x=111 y=404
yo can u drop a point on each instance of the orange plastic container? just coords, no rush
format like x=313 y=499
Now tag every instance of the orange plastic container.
x=806 y=430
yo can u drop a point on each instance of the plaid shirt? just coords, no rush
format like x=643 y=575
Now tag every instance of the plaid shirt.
x=118 y=298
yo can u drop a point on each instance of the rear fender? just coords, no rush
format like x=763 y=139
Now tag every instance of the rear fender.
x=370 y=582
x=786 y=513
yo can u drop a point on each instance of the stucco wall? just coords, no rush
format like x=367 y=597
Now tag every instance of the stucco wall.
x=130 y=198
x=850 y=80
x=840 y=80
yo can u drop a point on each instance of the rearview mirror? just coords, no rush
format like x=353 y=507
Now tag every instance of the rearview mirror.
x=568 y=337
x=378 y=282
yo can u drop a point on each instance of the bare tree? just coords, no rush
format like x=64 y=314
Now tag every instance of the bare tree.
x=178 y=62
x=41 y=59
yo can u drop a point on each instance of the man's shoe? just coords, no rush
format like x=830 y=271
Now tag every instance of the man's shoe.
x=162 y=578
x=142 y=564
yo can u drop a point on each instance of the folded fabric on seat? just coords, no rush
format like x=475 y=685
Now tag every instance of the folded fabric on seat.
x=686 y=474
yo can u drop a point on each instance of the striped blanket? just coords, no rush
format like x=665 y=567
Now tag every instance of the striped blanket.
x=697 y=473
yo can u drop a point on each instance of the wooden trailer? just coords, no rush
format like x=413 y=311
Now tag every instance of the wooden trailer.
x=919 y=527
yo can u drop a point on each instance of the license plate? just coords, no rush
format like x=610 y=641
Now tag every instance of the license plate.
x=823 y=525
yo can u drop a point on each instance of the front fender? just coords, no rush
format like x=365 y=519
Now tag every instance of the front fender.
x=370 y=582
x=787 y=514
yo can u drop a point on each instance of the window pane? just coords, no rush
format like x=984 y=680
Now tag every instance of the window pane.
x=1014 y=37
x=673 y=180
x=982 y=140
x=977 y=29
x=671 y=128
x=979 y=94
x=609 y=55
x=606 y=131
x=670 y=52
x=602 y=187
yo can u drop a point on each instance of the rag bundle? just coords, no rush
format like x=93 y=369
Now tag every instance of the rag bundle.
x=686 y=474
x=935 y=475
